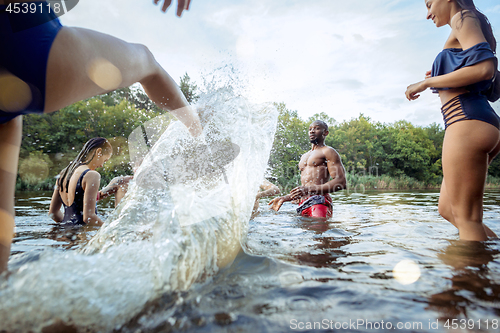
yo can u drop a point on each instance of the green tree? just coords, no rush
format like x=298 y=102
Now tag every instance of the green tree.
x=358 y=144
x=188 y=88
x=324 y=117
x=290 y=142
x=135 y=95
x=411 y=152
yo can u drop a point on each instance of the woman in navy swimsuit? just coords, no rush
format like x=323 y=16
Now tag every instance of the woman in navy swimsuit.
x=45 y=67
x=463 y=76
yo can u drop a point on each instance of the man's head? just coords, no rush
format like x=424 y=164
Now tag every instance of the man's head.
x=318 y=131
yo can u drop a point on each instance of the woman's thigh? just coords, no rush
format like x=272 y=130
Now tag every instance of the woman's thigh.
x=84 y=63
x=494 y=153
x=466 y=148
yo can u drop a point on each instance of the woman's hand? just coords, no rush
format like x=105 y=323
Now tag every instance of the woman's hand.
x=428 y=74
x=413 y=90
x=114 y=184
x=181 y=5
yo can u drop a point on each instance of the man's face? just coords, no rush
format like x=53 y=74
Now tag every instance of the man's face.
x=316 y=133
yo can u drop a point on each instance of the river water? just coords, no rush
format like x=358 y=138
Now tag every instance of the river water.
x=182 y=253
x=299 y=274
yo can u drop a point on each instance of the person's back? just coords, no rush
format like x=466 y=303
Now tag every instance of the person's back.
x=77 y=188
x=72 y=200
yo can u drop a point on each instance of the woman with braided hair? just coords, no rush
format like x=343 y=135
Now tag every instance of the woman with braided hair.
x=465 y=76
x=77 y=188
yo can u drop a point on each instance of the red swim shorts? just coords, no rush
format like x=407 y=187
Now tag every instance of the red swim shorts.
x=319 y=210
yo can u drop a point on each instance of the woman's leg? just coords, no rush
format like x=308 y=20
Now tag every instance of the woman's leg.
x=84 y=63
x=466 y=148
x=10 y=141
x=444 y=208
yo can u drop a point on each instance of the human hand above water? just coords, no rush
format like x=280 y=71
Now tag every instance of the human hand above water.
x=276 y=203
x=114 y=184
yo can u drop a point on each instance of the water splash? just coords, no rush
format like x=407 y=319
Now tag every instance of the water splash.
x=174 y=227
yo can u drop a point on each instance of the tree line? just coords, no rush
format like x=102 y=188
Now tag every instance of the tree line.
x=377 y=155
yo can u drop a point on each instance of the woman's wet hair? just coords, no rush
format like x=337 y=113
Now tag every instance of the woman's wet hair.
x=84 y=157
x=485 y=23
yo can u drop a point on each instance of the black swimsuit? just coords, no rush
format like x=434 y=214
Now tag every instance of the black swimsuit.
x=473 y=104
x=74 y=214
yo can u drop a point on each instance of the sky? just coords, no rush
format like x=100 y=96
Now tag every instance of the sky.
x=340 y=57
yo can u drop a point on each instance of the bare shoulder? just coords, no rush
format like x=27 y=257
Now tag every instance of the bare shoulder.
x=466 y=28
x=330 y=152
x=331 y=155
x=464 y=16
x=92 y=176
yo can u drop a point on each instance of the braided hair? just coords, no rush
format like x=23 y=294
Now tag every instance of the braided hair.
x=84 y=157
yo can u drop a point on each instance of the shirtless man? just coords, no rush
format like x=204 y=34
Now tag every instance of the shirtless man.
x=322 y=172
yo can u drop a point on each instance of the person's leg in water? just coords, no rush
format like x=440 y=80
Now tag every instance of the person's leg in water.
x=10 y=141
x=468 y=148
x=444 y=208
x=74 y=55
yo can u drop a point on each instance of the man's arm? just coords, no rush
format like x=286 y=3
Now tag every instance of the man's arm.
x=337 y=173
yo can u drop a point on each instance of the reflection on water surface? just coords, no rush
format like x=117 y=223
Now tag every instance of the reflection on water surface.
x=297 y=272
